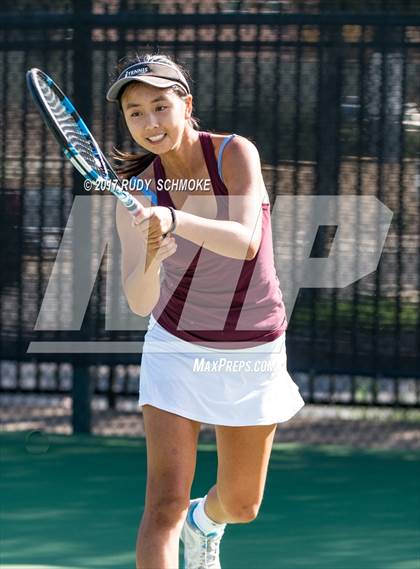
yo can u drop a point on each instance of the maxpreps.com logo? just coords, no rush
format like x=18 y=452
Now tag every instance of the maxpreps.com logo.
x=138 y=71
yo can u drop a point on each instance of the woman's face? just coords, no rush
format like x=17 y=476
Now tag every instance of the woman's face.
x=156 y=118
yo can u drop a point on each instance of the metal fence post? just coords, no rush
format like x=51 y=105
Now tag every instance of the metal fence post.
x=82 y=84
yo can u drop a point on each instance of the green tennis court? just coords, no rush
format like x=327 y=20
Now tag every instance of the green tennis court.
x=75 y=503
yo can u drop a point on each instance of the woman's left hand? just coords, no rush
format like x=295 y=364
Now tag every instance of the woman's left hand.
x=153 y=221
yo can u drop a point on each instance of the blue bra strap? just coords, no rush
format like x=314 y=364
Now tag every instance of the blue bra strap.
x=226 y=140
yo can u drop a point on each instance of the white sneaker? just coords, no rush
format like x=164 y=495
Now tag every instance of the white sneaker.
x=200 y=551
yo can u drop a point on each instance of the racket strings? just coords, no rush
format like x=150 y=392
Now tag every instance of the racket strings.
x=76 y=137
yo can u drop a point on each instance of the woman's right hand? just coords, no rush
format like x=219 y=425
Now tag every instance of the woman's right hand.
x=159 y=249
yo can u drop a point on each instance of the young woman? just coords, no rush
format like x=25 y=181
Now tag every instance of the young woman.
x=201 y=262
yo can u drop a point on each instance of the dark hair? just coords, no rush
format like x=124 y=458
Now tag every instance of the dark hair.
x=133 y=163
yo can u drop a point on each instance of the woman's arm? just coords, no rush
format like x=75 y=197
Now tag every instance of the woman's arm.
x=142 y=289
x=240 y=236
x=141 y=286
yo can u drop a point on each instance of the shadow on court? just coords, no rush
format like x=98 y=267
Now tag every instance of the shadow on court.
x=75 y=503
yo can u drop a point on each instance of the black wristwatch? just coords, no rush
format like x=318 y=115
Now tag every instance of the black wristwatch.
x=173 y=226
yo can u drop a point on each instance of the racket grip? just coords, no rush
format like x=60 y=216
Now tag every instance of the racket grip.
x=174 y=220
x=138 y=210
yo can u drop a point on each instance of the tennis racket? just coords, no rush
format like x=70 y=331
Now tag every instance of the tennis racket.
x=75 y=138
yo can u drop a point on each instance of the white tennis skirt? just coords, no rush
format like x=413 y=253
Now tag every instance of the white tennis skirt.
x=232 y=387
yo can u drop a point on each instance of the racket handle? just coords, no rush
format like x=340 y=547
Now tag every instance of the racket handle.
x=133 y=205
x=138 y=212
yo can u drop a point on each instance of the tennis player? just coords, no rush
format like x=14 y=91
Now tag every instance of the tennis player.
x=201 y=263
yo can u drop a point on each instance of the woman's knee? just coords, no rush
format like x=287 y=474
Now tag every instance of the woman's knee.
x=166 y=509
x=171 y=459
x=239 y=509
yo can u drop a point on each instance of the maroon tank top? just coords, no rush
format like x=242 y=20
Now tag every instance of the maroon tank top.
x=213 y=300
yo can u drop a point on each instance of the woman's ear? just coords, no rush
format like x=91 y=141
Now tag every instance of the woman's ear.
x=188 y=106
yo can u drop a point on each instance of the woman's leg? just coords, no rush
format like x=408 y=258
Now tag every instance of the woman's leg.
x=243 y=457
x=171 y=442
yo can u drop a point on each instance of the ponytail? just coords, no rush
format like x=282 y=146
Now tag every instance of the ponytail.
x=132 y=163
